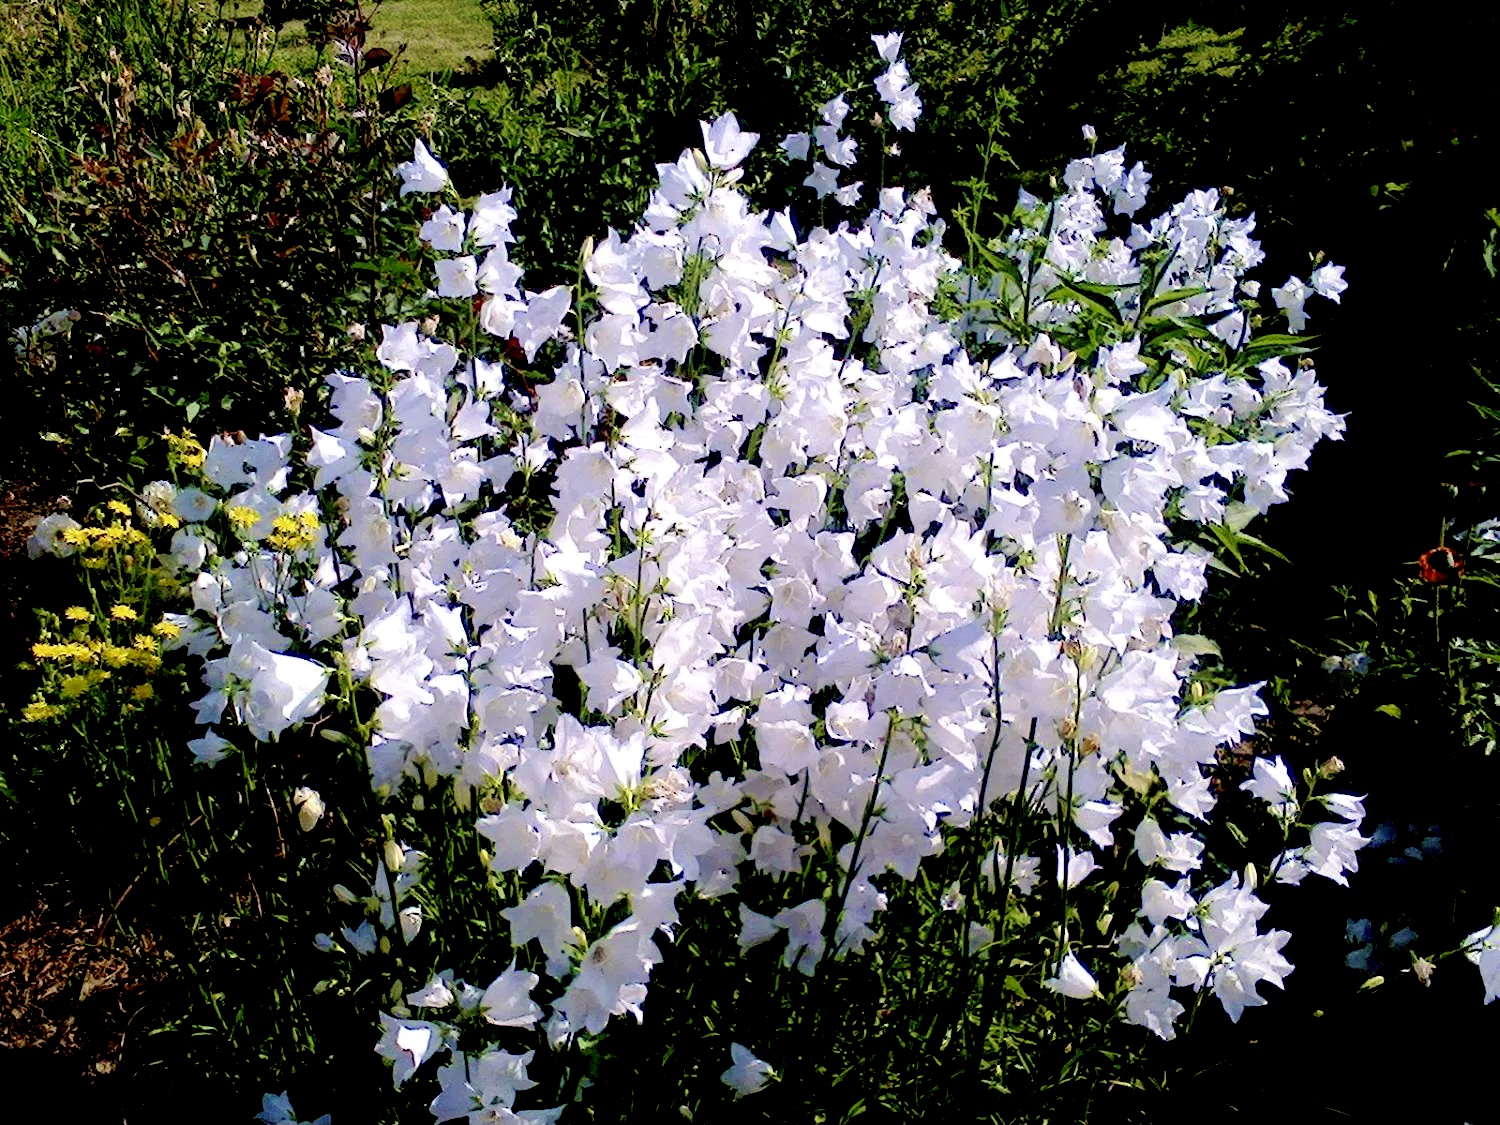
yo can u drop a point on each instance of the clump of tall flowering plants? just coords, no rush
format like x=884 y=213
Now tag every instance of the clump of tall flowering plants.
x=820 y=584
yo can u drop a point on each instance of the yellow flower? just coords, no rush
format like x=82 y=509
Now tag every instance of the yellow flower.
x=74 y=686
x=119 y=507
x=124 y=613
x=40 y=712
x=184 y=449
x=147 y=662
x=141 y=692
x=76 y=613
x=294 y=534
x=242 y=518
x=70 y=650
x=117 y=657
x=167 y=629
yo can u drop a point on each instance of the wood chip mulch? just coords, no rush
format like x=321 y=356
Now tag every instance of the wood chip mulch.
x=71 y=985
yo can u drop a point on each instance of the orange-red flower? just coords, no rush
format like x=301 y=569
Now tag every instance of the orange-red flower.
x=1441 y=565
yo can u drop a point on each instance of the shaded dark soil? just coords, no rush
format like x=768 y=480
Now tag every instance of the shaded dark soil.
x=73 y=989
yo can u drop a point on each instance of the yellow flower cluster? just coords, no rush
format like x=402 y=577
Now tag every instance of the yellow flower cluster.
x=242 y=518
x=79 y=685
x=141 y=653
x=102 y=539
x=293 y=534
x=185 y=450
x=95 y=646
x=77 y=652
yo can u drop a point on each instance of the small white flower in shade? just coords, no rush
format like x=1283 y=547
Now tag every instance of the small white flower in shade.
x=804 y=937
x=362 y=939
x=1290 y=298
x=822 y=179
x=408 y=1044
x=796 y=145
x=1089 y=135
x=493 y=214
x=1075 y=867
x=411 y=922
x=422 y=172
x=47 y=539
x=724 y=143
x=1328 y=281
x=211 y=748
x=1483 y=948
x=445 y=230
x=1346 y=805
x=748 y=1075
x=1272 y=782
x=887 y=46
x=848 y=195
x=1073 y=980
x=281 y=691
x=309 y=806
x=507 y=1001
x=905 y=110
x=194 y=505
x=542 y=319
x=437 y=994
x=276 y=1109
x=457 y=277
x=755 y=928
x=838 y=150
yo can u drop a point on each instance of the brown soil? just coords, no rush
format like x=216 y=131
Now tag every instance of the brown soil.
x=21 y=506
x=71 y=986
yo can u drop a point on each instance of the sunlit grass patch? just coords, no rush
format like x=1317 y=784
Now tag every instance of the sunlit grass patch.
x=432 y=36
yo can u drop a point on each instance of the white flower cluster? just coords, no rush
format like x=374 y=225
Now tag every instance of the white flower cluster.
x=898 y=93
x=832 y=575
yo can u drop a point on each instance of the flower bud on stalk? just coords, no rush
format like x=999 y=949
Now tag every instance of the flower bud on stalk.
x=309 y=807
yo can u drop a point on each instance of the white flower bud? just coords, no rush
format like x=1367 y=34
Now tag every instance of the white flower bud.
x=309 y=806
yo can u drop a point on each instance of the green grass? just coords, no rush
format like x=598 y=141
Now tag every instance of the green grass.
x=432 y=36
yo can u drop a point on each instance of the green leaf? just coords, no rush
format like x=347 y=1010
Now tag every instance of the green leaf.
x=1389 y=709
x=998 y=262
x=1275 y=345
x=1229 y=541
x=1238 y=514
x=1261 y=545
x=1192 y=644
x=1171 y=296
x=1159 y=330
x=1090 y=297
